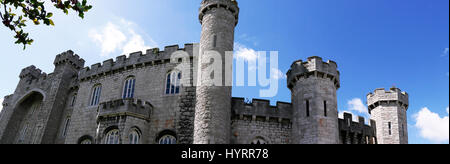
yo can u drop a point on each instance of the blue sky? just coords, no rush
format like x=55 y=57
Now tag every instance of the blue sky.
x=376 y=43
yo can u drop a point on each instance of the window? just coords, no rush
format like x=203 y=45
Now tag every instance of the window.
x=37 y=133
x=173 y=83
x=390 y=128
x=325 y=108
x=128 y=89
x=215 y=41
x=112 y=137
x=96 y=92
x=74 y=98
x=167 y=139
x=134 y=137
x=23 y=133
x=403 y=130
x=86 y=142
x=307 y=108
x=66 y=126
x=259 y=141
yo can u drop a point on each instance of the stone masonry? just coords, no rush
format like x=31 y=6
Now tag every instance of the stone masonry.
x=137 y=99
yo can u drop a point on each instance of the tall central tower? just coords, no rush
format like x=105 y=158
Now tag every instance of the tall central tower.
x=213 y=108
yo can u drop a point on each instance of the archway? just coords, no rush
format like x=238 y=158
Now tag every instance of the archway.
x=25 y=125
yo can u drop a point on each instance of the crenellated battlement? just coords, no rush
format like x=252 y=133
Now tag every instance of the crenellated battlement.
x=131 y=107
x=32 y=72
x=315 y=67
x=152 y=57
x=382 y=96
x=262 y=109
x=6 y=100
x=71 y=58
x=352 y=132
x=231 y=5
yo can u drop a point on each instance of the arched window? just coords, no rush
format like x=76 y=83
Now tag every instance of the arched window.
x=173 y=83
x=96 y=93
x=128 y=88
x=86 y=142
x=134 y=137
x=112 y=137
x=259 y=141
x=167 y=139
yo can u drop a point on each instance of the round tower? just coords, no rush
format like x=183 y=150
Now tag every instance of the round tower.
x=313 y=85
x=213 y=107
x=388 y=110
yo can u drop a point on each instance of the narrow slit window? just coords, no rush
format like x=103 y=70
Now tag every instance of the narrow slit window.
x=307 y=108
x=168 y=84
x=215 y=41
x=325 y=108
x=390 y=128
x=66 y=126
x=74 y=99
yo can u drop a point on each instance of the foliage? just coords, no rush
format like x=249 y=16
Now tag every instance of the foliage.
x=15 y=14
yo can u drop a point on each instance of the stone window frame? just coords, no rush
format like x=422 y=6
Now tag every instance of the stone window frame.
x=135 y=132
x=83 y=140
x=129 y=87
x=171 y=86
x=73 y=100
x=66 y=126
x=167 y=140
x=167 y=134
x=96 y=93
x=112 y=137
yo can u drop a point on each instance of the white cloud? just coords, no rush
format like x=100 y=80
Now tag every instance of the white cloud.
x=356 y=104
x=121 y=36
x=136 y=43
x=445 y=52
x=432 y=126
x=242 y=52
x=110 y=38
x=1 y=105
x=277 y=74
x=354 y=117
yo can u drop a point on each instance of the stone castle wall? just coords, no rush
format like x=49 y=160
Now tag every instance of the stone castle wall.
x=260 y=120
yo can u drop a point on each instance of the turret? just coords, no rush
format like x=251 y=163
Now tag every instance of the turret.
x=70 y=58
x=388 y=109
x=313 y=85
x=31 y=72
x=213 y=102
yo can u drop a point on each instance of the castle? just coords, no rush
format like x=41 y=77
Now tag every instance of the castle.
x=135 y=100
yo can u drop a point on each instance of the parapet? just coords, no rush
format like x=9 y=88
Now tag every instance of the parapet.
x=129 y=107
x=230 y=5
x=347 y=124
x=261 y=108
x=71 y=58
x=6 y=100
x=152 y=57
x=351 y=132
x=316 y=67
x=394 y=95
x=32 y=72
